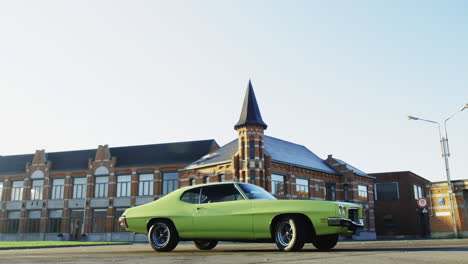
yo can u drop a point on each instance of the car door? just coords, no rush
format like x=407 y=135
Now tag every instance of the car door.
x=189 y=202
x=223 y=213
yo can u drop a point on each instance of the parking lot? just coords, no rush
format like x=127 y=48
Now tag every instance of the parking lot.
x=409 y=251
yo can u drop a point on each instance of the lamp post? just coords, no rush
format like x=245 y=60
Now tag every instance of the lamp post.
x=446 y=154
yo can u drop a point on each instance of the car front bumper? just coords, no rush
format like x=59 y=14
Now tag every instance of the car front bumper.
x=351 y=225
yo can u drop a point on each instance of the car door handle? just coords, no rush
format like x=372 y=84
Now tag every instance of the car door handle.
x=199 y=208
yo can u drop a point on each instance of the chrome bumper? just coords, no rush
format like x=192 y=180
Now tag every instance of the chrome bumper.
x=351 y=225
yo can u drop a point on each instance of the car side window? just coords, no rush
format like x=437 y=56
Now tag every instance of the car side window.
x=191 y=196
x=220 y=193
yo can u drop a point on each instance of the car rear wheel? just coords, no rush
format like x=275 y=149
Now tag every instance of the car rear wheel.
x=162 y=236
x=325 y=242
x=289 y=234
x=205 y=244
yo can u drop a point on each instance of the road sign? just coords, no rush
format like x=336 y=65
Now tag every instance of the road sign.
x=423 y=203
x=424 y=211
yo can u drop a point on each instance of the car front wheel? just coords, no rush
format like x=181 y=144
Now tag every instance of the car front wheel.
x=325 y=242
x=205 y=244
x=162 y=236
x=289 y=234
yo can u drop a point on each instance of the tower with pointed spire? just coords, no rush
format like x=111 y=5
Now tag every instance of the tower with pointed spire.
x=250 y=127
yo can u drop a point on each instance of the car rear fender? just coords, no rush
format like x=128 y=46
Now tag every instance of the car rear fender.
x=152 y=220
x=305 y=220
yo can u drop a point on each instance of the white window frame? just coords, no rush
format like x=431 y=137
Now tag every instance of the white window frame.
x=17 y=191
x=362 y=192
x=57 y=189
x=79 y=187
x=101 y=187
x=146 y=184
x=124 y=183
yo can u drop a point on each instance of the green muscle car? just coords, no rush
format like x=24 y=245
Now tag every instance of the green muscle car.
x=234 y=211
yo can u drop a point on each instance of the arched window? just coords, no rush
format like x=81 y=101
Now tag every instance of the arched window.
x=252 y=148
x=101 y=187
x=37 y=185
x=101 y=171
x=37 y=174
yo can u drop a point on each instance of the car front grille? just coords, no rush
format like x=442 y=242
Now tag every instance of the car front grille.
x=353 y=214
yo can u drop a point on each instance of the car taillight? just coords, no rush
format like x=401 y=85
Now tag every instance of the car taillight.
x=123 y=221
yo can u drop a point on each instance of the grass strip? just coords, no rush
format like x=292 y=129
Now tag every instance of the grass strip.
x=43 y=244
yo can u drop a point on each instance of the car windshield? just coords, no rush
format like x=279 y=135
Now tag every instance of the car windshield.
x=255 y=192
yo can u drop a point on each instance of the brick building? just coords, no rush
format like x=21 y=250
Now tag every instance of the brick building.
x=286 y=169
x=440 y=215
x=396 y=212
x=63 y=195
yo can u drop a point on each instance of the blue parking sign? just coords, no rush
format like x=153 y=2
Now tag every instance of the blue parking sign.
x=441 y=201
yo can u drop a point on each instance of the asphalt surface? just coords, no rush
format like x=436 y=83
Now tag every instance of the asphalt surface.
x=408 y=251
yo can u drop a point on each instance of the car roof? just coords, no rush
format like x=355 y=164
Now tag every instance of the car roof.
x=208 y=184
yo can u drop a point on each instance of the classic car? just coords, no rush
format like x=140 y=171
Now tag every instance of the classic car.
x=233 y=211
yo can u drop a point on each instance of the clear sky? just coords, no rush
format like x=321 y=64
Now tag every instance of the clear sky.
x=336 y=76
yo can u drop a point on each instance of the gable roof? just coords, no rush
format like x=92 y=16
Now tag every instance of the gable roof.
x=280 y=151
x=354 y=169
x=250 y=114
x=143 y=155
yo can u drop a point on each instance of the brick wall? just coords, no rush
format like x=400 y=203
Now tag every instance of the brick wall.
x=402 y=217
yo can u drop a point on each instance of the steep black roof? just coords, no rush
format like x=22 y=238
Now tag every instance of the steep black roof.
x=250 y=114
x=144 y=155
x=14 y=164
x=160 y=154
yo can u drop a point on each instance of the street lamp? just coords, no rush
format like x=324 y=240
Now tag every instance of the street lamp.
x=446 y=154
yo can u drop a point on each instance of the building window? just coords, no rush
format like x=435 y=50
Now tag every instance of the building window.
x=252 y=149
x=1 y=190
x=79 y=188
x=145 y=185
x=12 y=226
x=330 y=191
x=346 y=192
x=367 y=219
x=76 y=223
x=206 y=179
x=221 y=178
x=99 y=220
x=17 y=191
x=260 y=149
x=170 y=182
x=34 y=221
x=418 y=192
x=118 y=213
x=386 y=191
x=101 y=186
x=54 y=223
x=191 y=182
x=36 y=189
x=362 y=191
x=123 y=185
x=278 y=187
x=57 y=189
x=253 y=174
x=302 y=188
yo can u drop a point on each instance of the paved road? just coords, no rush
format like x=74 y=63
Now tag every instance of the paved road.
x=410 y=251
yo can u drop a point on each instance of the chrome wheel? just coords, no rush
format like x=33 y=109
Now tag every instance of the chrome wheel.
x=289 y=234
x=160 y=235
x=285 y=233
